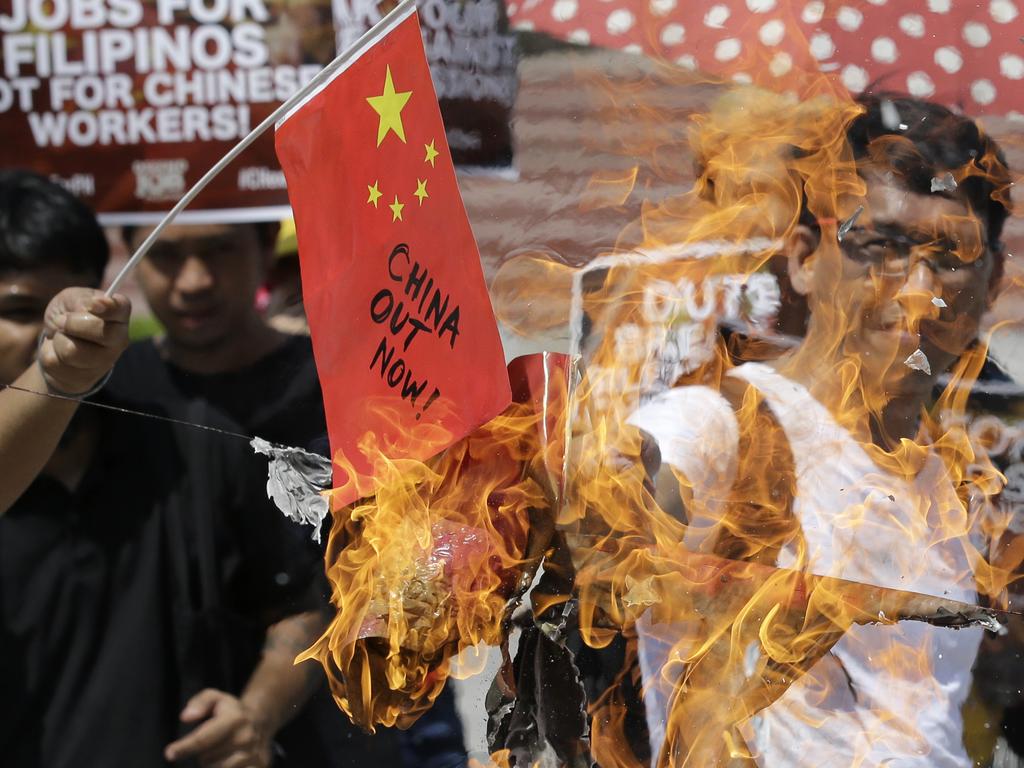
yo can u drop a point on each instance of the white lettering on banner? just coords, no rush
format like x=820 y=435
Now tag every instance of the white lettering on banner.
x=51 y=15
x=159 y=179
x=91 y=92
x=252 y=86
x=212 y=11
x=261 y=178
x=21 y=88
x=170 y=125
x=81 y=184
x=149 y=49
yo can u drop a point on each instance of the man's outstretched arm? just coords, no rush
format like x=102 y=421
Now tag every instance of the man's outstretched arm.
x=85 y=332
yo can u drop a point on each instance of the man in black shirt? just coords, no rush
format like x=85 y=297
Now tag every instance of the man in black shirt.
x=140 y=564
x=200 y=282
x=218 y=351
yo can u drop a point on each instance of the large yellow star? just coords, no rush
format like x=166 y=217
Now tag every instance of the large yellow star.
x=431 y=153
x=375 y=194
x=421 y=190
x=396 y=209
x=389 y=106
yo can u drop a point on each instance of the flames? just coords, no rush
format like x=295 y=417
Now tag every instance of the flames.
x=741 y=565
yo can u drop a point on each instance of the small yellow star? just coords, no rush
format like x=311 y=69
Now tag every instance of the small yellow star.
x=375 y=194
x=389 y=106
x=421 y=190
x=431 y=153
x=396 y=209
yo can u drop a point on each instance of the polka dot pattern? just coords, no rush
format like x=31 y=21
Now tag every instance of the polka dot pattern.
x=960 y=52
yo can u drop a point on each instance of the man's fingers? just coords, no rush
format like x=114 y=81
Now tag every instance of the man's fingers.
x=76 y=353
x=205 y=737
x=90 y=327
x=85 y=326
x=201 y=705
x=116 y=308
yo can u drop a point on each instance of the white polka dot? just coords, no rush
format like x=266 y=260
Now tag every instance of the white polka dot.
x=854 y=78
x=976 y=34
x=728 y=49
x=742 y=77
x=619 y=22
x=822 y=46
x=633 y=49
x=878 y=2
x=1002 y=11
x=1011 y=66
x=813 y=12
x=662 y=7
x=580 y=37
x=849 y=19
x=912 y=25
x=716 y=16
x=673 y=34
x=564 y=10
x=939 y=6
x=760 y=6
x=780 y=64
x=512 y=8
x=1015 y=116
x=949 y=59
x=983 y=92
x=525 y=26
x=772 y=32
x=920 y=85
x=883 y=50
x=687 y=62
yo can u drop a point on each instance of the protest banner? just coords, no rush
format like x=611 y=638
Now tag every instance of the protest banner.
x=404 y=336
x=127 y=102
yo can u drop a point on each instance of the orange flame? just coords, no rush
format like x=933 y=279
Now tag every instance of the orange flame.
x=747 y=555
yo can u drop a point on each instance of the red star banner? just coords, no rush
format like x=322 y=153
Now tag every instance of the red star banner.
x=406 y=344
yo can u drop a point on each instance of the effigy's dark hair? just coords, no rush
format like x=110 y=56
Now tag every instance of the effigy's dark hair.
x=927 y=141
x=43 y=225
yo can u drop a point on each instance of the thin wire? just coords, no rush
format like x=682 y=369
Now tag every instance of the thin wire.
x=129 y=411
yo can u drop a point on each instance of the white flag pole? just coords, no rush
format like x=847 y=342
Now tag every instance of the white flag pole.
x=318 y=80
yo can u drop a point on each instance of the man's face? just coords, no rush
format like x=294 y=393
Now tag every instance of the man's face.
x=200 y=281
x=23 y=300
x=915 y=273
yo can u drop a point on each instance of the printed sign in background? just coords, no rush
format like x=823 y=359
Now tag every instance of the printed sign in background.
x=127 y=103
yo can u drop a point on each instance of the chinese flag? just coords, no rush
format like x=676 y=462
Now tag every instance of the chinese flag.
x=405 y=340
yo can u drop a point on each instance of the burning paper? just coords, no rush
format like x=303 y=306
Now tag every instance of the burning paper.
x=919 y=362
x=296 y=481
x=847 y=225
x=943 y=183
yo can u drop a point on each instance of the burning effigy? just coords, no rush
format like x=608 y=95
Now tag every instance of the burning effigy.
x=701 y=538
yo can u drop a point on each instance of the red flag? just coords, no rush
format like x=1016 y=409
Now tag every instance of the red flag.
x=404 y=336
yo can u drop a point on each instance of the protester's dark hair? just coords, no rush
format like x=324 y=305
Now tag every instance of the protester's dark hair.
x=44 y=225
x=919 y=141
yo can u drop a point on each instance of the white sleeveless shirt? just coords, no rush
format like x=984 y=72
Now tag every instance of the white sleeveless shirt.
x=894 y=692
